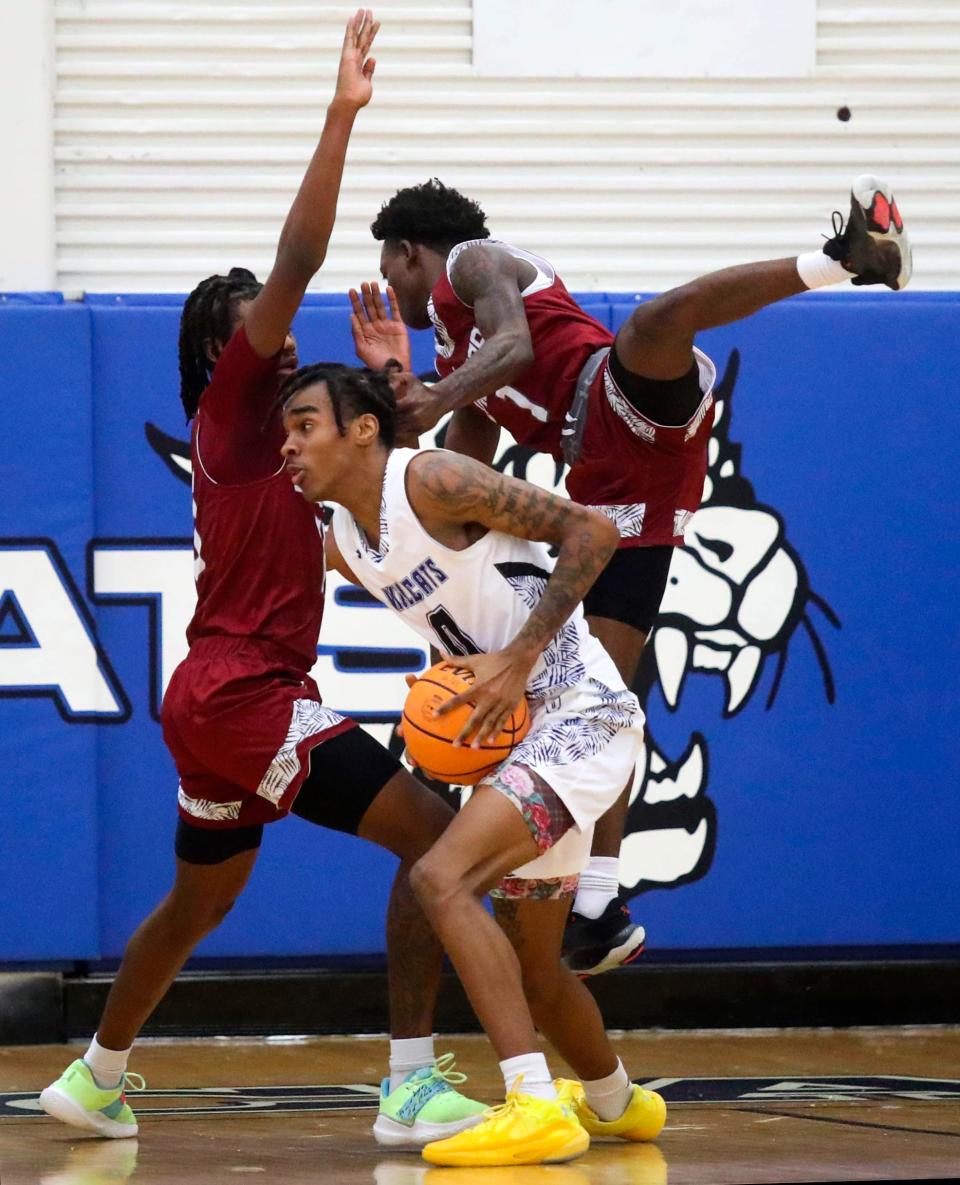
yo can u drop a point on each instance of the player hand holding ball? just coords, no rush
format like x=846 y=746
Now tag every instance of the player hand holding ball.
x=500 y=680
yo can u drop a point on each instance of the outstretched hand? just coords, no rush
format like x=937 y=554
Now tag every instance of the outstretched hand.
x=355 y=77
x=379 y=334
x=500 y=684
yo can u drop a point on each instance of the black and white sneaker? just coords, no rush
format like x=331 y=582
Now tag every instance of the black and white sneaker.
x=594 y=945
x=873 y=245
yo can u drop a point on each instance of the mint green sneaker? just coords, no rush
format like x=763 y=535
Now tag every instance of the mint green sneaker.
x=425 y=1107
x=76 y=1099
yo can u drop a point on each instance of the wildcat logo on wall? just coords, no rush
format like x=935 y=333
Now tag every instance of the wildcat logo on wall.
x=737 y=595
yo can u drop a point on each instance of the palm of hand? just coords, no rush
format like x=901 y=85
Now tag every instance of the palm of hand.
x=381 y=341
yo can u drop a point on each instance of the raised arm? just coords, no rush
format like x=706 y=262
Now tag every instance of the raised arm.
x=490 y=281
x=447 y=490
x=306 y=232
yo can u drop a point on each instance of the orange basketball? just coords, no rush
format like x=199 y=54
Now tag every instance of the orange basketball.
x=429 y=738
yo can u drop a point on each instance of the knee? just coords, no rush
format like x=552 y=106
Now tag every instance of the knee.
x=218 y=910
x=197 y=917
x=666 y=315
x=432 y=883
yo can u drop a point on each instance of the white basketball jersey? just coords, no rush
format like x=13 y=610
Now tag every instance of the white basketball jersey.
x=471 y=601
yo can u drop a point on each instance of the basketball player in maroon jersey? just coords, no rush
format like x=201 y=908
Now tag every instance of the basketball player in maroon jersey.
x=630 y=415
x=242 y=717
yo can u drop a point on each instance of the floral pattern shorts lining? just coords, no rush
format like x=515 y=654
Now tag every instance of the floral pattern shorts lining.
x=548 y=819
x=517 y=888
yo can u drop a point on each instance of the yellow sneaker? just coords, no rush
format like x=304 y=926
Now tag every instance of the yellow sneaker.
x=523 y=1130
x=643 y=1119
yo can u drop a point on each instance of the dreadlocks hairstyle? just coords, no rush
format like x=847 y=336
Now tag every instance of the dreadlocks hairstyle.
x=353 y=392
x=430 y=214
x=208 y=315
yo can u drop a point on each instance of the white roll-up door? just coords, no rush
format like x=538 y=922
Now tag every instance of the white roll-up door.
x=182 y=130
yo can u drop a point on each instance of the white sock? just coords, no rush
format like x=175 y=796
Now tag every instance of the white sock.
x=599 y=884
x=409 y=1054
x=818 y=270
x=532 y=1067
x=106 y=1065
x=608 y=1097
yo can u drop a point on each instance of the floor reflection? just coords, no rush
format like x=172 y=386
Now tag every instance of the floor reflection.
x=96 y=1162
x=605 y=1164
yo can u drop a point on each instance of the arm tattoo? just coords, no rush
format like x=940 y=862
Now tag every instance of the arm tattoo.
x=487 y=279
x=584 y=554
x=474 y=274
x=463 y=491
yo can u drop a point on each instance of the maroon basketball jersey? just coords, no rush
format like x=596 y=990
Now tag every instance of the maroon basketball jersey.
x=563 y=335
x=647 y=477
x=258 y=544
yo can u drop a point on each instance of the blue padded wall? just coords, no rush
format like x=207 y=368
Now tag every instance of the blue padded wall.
x=829 y=816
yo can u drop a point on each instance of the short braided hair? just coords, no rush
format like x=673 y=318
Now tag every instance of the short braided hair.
x=353 y=392
x=208 y=315
x=432 y=214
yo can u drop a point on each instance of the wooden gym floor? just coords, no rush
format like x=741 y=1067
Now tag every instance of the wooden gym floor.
x=761 y=1106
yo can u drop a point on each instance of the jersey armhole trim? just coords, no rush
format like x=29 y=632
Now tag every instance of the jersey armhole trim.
x=545 y=278
x=206 y=472
x=213 y=481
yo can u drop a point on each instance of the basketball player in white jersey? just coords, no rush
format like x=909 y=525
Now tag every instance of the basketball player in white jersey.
x=460 y=553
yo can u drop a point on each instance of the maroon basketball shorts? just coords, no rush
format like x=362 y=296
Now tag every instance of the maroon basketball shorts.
x=240 y=723
x=647 y=477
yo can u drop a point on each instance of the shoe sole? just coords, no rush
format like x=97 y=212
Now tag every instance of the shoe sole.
x=617 y=956
x=864 y=189
x=391 y=1134
x=60 y=1105
x=578 y=1143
